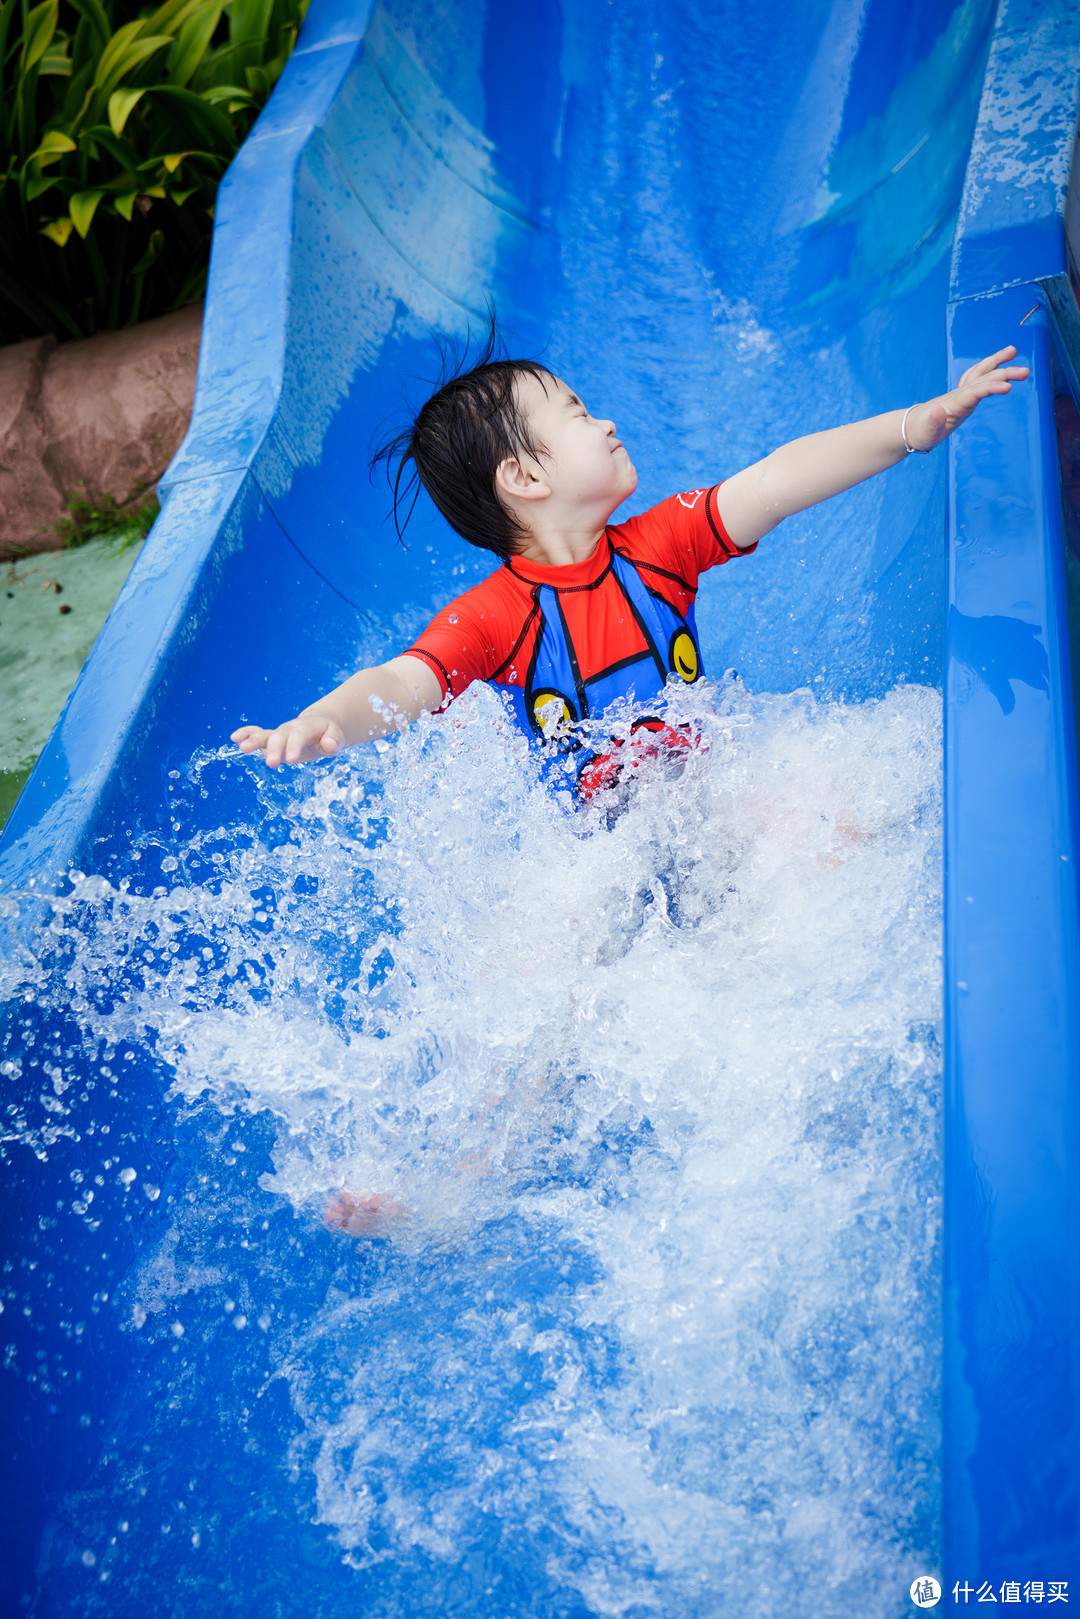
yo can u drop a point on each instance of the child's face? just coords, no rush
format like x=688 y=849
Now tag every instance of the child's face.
x=585 y=463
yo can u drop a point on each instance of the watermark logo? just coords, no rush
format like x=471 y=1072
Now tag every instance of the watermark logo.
x=1009 y=1591
x=925 y=1591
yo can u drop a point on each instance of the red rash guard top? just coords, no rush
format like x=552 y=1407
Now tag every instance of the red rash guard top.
x=490 y=633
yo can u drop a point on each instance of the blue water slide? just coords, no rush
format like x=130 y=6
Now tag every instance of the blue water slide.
x=726 y=226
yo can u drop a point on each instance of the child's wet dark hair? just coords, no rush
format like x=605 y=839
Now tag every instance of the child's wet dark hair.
x=460 y=435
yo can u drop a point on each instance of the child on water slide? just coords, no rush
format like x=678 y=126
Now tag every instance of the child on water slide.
x=583 y=612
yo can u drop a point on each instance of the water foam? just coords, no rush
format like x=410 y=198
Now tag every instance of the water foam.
x=655 y=1108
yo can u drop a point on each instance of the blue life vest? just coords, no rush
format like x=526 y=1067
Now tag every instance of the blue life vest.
x=555 y=700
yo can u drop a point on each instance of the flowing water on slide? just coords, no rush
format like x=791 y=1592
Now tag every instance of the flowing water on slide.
x=653 y=1112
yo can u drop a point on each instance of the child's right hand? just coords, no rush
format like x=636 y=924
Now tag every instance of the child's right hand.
x=309 y=736
x=370 y=704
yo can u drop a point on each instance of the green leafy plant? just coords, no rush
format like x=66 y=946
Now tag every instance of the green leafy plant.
x=125 y=524
x=115 y=129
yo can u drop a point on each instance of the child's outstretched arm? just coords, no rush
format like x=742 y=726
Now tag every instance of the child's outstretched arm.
x=367 y=705
x=810 y=469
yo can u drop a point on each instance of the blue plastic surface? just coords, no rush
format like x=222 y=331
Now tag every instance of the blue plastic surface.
x=1009 y=230
x=638 y=190
x=1012 y=964
x=1012 y=956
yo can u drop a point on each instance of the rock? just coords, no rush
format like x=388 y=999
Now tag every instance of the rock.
x=99 y=417
x=29 y=500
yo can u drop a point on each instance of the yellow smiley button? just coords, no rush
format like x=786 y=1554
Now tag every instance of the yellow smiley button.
x=552 y=713
x=684 y=657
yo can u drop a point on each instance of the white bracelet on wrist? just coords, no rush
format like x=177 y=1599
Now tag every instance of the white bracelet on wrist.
x=911 y=449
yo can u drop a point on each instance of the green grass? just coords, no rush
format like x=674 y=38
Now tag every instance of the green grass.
x=12 y=783
x=91 y=520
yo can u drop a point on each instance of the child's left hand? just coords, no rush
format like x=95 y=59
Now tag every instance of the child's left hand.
x=933 y=421
x=821 y=465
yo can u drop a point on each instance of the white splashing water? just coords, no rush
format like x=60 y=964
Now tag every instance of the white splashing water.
x=654 y=1112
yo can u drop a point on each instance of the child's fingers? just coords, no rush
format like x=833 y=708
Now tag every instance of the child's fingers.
x=973 y=389
x=1005 y=373
x=998 y=382
x=307 y=738
x=290 y=743
x=277 y=746
x=982 y=368
x=992 y=361
x=1008 y=373
x=298 y=739
x=990 y=385
x=979 y=369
